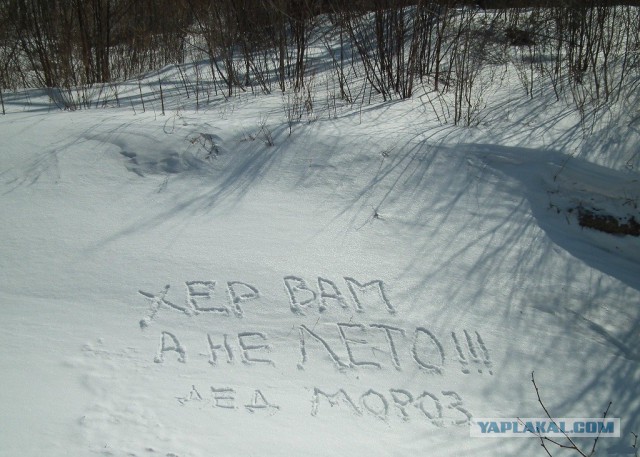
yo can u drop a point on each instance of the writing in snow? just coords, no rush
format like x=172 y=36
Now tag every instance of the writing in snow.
x=199 y=297
x=348 y=345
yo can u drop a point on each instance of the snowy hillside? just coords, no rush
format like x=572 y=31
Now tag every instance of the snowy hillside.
x=221 y=282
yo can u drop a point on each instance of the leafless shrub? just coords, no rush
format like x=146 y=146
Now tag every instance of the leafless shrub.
x=568 y=443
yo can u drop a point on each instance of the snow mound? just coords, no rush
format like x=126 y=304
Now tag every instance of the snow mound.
x=561 y=189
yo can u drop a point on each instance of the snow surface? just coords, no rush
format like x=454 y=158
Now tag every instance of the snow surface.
x=176 y=286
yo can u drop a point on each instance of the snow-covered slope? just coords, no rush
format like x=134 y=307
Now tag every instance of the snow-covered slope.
x=206 y=283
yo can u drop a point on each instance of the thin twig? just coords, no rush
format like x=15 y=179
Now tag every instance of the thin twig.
x=573 y=445
x=595 y=442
